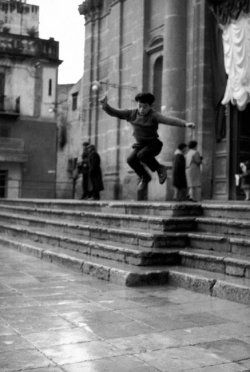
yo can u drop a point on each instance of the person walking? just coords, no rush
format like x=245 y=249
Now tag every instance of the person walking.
x=84 y=169
x=145 y=120
x=245 y=178
x=95 y=173
x=193 y=171
x=179 y=173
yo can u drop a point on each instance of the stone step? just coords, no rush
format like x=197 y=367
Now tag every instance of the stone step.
x=220 y=243
x=224 y=226
x=210 y=283
x=226 y=263
x=228 y=209
x=117 y=252
x=115 y=272
x=165 y=209
x=143 y=239
x=121 y=221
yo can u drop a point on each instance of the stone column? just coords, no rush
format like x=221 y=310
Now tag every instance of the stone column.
x=174 y=74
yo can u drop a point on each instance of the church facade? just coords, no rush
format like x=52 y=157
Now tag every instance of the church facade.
x=180 y=51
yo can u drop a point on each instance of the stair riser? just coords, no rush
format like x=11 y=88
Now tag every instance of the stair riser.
x=147 y=209
x=224 y=229
x=103 y=221
x=214 y=265
x=221 y=246
x=134 y=258
x=235 y=214
x=90 y=233
x=212 y=287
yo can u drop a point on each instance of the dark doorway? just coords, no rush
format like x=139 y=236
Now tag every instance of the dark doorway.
x=2 y=87
x=157 y=82
x=239 y=146
x=3 y=183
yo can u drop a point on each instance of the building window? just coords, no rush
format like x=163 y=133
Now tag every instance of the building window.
x=157 y=82
x=74 y=101
x=50 y=87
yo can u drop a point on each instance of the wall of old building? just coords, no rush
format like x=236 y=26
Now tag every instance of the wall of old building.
x=28 y=81
x=155 y=45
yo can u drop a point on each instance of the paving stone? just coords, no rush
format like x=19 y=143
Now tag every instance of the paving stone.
x=126 y=363
x=23 y=359
x=72 y=322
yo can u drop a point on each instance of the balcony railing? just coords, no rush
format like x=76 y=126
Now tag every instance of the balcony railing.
x=9 y=105
x=20 y=45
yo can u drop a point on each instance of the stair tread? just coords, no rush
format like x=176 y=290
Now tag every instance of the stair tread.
x=126 y=268
x=146 y=218
x=224 y=220
x=221 y=255
x=237 y=281
x=88 y=258
x=104 y=229
x=112 y=246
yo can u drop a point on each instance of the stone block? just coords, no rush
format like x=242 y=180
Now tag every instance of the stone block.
x=232 y=292
x=96 y=270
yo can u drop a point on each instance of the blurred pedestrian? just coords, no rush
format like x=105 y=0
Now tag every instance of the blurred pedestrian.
x=84 y=169
x=95 y=173
x=245 y=178
x=193 y=171
x=179 y=173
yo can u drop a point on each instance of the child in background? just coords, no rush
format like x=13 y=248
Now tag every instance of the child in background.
x=245 y=178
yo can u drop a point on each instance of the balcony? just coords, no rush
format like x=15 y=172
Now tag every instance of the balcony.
x=12 y=150
x=25 y=46
x=9 y=106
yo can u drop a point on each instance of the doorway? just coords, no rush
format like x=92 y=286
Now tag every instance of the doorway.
x=3 y=183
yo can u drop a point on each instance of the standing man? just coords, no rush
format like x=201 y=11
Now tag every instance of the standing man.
x=95 y=173
x=84 y=169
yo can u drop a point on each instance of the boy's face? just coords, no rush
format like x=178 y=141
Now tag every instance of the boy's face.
x=143 y=108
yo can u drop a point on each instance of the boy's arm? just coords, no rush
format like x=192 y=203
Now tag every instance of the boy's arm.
x=118 y=113
x=163 y=119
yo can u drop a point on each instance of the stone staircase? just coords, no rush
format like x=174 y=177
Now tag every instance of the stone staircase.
x=205 y=247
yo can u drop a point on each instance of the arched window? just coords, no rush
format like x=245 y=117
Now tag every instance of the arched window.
x=157 y=82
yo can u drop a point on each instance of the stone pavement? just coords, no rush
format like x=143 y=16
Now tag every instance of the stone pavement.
x=54 y=319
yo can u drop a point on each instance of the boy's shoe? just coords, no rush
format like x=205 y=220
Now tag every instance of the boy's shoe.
x=144 y=180
x=162 y=174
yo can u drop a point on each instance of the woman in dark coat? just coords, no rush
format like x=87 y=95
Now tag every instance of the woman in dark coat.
x=179 y=173
x=95 y=172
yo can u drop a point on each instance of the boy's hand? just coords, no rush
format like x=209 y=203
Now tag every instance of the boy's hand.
x=104 y=100
x=190 y=125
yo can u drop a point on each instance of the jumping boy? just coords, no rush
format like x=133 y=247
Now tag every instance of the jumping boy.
x=147 y=146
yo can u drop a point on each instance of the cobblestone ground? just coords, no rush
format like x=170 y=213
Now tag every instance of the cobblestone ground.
x=53 y=319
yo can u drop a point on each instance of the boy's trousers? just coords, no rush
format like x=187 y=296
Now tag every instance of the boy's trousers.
x=145 y=153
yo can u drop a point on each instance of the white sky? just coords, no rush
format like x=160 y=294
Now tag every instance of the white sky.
x=61 y=20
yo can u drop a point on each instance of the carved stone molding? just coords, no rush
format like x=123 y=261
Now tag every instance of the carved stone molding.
x=89 y=7
x=227 y=10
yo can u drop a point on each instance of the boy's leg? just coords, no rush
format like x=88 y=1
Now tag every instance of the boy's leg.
x=134 y=163
x=147 y=155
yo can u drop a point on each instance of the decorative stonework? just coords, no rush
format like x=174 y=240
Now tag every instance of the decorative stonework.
x=227 y=10
x=236 y=42
x=90 y=6
x=233 y=17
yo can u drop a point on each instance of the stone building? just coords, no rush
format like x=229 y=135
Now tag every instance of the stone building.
x=28 y=90
x=69 y=118
x=174 y=49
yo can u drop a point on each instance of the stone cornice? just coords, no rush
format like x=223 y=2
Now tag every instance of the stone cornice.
x=88 y=7
x=225 y=10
